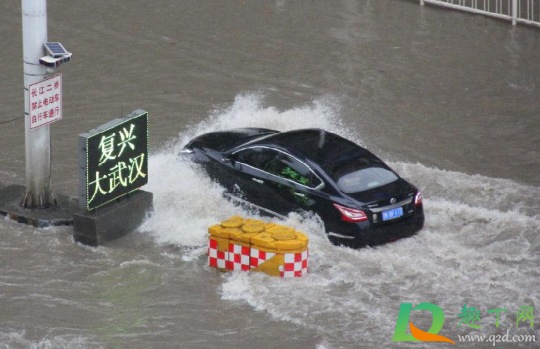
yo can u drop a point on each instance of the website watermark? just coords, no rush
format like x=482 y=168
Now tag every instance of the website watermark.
x=468 y=316
x=498 y=338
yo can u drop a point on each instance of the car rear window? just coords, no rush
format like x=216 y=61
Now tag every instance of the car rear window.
x=361 y=174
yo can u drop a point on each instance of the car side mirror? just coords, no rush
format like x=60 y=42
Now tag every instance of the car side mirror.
x=225 y=160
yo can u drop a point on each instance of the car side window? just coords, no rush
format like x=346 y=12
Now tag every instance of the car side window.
x=256 y=157
x=294 y=170
x=278 y=164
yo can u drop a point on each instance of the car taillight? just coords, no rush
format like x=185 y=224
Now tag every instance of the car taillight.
x=351 y=214
x=418 y=198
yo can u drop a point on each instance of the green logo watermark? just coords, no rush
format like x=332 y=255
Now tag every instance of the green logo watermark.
x=469 y=316
x=400 y=334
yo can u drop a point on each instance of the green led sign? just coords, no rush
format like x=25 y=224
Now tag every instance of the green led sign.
x=114 y=160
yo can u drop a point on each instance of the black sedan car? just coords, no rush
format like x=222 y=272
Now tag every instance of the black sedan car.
x=360 y=199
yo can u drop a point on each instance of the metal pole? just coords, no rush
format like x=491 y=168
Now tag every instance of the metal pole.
x=514 y=11
x=37 y=141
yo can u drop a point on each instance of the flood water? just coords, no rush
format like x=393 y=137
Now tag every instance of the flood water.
x=448 y=99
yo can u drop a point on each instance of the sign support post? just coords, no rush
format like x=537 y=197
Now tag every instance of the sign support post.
x=37 y=141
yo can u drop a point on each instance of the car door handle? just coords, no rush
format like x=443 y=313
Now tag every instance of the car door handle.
x=260 y=181
x=300 y=194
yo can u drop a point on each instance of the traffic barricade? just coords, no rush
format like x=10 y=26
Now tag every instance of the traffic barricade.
x=246 y=244
x=218 y=242
x=280 y=251
x=240 y=244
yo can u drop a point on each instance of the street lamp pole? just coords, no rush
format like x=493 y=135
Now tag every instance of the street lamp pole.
x=37 y=141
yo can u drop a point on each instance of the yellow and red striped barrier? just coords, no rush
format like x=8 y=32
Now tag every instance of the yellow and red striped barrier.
x=246 y=244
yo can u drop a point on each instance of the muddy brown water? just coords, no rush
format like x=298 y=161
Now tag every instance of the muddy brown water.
x=449 y=99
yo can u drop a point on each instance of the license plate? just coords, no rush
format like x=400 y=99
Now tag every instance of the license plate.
x=392 y=214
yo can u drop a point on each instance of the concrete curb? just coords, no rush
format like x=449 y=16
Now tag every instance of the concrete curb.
x=10 y=197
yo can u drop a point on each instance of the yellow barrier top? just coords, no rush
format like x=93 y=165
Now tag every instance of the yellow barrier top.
x=247 y=231
x=267 y=236
x=232 y=223
x=281 y=238
x=220 y=232
x=227 y=227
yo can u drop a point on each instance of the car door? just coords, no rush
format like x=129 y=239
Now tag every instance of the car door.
x=251 y=177
x=220 y=169
x=292 y=185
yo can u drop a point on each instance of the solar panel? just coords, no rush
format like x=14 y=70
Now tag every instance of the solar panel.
x=55 y=49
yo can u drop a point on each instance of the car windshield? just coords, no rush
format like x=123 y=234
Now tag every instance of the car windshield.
x=361 y=174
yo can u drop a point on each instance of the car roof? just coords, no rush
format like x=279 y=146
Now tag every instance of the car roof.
x=320 y=146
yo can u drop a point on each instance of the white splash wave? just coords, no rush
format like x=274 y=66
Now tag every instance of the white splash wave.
x=480 y=245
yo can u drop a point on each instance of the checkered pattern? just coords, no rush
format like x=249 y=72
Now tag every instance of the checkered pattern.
x=259 y=257
x=216 y=259
x=295 y=265
x=244 y=258
x=238 y=257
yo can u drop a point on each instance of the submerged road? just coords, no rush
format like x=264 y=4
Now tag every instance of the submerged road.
x=449 y=99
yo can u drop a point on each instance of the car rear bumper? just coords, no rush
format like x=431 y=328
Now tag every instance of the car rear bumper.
x=368 y=234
